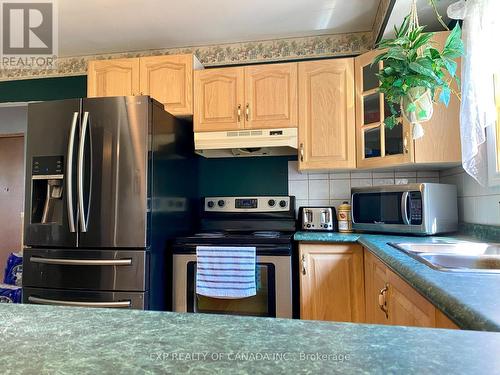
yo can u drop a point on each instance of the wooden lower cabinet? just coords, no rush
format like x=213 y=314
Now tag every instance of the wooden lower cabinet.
x=331 y=282
x=391 y=300
x=346 y=283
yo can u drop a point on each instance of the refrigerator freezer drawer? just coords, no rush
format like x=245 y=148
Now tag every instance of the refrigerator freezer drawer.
x=85 y=298
x=112 y=270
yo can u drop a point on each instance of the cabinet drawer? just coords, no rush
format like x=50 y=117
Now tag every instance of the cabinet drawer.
x=80 y=298
x=85 y=269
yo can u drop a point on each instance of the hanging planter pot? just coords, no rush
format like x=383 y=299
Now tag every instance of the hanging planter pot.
x=417 y=107
x=413 y=69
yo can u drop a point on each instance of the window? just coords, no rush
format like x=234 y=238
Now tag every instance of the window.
x=493 y=137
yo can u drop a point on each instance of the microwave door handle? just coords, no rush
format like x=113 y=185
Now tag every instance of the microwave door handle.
x=404 y=209
x=69 y=174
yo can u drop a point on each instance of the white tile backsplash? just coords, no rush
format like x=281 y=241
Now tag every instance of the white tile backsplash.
x=333 y=188
x=299 y=189
x=340 y=189
x=319 y=189
x=408 y=174
x=383 y=181
x=361 y=182
x=293 y=172
x=361 y=174
x=340 y=176
x=476 y=204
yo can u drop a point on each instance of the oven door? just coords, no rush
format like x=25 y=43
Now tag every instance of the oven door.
x=273 y=298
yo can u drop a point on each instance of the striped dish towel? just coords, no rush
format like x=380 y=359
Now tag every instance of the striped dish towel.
x=225 y=272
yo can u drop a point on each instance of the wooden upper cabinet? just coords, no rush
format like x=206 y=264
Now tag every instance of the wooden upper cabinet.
x=331 y=282
x=118 y=77
x=169 y=79
x=379 y=147
x=376 y=145
x=443 y=128
x=219 y=97
x=326 y=114
x=271 y=96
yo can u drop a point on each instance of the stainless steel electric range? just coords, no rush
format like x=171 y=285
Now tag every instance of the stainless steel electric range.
x=268 y=223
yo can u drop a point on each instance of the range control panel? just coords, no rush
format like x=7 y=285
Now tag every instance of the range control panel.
x=247 y=204
x=47 y=165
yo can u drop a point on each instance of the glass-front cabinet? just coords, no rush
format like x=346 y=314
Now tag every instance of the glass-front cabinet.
x=376 y=144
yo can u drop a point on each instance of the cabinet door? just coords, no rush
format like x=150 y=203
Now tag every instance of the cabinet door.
x=271 y=96
x=331 y=282
x=377 y=146
x=326 y=114
x=407 y=307
x=219 y=96
x=376 y=282
x=118 y=77
x=443 y=128
x=169 y=79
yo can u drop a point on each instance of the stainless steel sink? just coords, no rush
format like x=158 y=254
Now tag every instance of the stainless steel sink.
x=456 y=257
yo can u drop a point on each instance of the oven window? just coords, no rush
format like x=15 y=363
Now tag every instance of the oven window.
x=262 y=304
x=378 y=208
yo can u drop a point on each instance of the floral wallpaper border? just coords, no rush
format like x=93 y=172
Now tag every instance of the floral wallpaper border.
x=223 y=54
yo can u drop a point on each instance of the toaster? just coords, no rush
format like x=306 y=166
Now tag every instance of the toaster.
x=318 y=218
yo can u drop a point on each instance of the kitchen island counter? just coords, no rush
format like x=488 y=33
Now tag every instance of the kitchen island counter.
x=49 y=339
x=471 y=300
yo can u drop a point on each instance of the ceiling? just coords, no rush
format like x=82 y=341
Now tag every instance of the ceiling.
x=426 y=15
x=106 y=26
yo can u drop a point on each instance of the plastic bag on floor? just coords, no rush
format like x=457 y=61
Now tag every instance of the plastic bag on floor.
x=14 y=270
x=10 y=294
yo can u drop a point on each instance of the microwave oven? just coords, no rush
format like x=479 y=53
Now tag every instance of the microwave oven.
x=422 y=208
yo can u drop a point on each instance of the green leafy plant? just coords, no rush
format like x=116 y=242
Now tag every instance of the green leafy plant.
x=410 y=61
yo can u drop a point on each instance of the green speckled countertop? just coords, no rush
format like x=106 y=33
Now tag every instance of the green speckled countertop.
x=471 y=300
x=67 y=340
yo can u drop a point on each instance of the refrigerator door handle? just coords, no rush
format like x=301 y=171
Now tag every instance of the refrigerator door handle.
x=82 y=262
x=69 y=174
x=46 y=301
x=81 y=155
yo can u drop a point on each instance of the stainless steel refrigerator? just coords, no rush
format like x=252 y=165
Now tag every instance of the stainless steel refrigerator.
x=109 y=181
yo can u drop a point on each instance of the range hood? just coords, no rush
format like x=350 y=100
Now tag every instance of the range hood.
x=241 y=143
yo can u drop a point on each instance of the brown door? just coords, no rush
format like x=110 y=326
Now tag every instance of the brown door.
x=11 y=195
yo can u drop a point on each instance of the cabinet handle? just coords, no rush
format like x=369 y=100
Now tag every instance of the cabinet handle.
x=247 y=112
x=301 y=152
x=239 y=112
x=382 y=301
x=303 y=265
x=405 y=143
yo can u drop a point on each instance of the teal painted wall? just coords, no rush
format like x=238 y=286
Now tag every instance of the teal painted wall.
x=43 y=89
x=244 y=176
x=227 y=176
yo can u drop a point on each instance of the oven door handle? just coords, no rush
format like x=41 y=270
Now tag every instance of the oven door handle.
x=82 y=262
x=46 y=301
x=404 y=209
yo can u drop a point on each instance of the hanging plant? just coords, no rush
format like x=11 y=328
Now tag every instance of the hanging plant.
x=415 y=74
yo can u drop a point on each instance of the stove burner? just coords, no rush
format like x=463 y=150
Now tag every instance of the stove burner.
x=266 y=234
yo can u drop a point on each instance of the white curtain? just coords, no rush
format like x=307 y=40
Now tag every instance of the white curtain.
x=481 y=37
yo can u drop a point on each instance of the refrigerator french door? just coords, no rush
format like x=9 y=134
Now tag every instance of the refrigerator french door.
x=88 y=218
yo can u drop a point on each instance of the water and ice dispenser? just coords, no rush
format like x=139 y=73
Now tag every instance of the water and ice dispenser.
x=47 y=190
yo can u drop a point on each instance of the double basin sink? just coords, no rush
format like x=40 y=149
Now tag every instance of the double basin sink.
x=455 y=257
